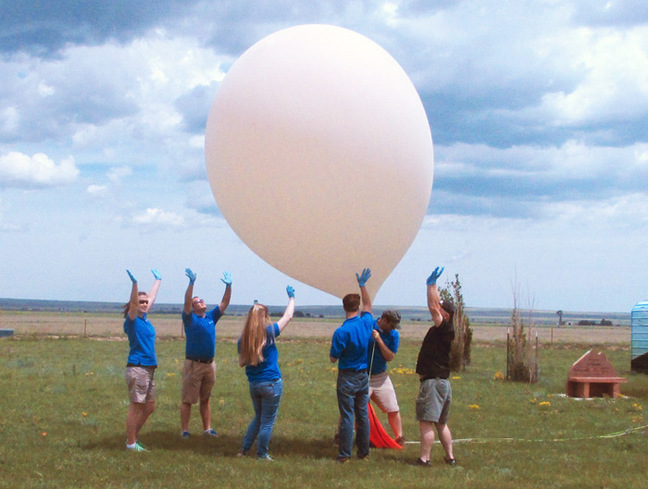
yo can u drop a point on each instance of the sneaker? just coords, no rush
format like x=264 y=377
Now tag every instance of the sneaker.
x=141 y=444
x=422 y=463
x=265 y=457
x=242 y=453
x=185 y=434
x=137 y=448
x=210 y=432
x=450 y=461
x=401 y=441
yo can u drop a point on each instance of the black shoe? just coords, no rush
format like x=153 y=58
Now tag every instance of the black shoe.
x=450 y=461
x=423 y=464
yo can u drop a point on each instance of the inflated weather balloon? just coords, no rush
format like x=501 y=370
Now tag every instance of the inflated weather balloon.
x=320 y=157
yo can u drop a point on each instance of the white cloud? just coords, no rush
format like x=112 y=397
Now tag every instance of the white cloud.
x=158 y=217
x=99 y=190
x=23 y=171
x=116 y=174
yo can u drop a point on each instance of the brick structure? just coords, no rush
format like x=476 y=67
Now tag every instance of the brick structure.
x=592 y=375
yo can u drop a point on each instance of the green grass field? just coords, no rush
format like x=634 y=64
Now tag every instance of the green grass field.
x=63 y=403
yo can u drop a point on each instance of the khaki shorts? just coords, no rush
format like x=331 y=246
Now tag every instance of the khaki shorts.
x=198 y=379
x=433 y=401
x=141 y=386
x=381 y=391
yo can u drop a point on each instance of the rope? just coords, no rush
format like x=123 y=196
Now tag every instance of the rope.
x=373 y=350
x=487 y=440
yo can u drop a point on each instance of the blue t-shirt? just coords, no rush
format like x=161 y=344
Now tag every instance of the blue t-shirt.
x=141 y=338
x=350 y=342
x=268 y=369
x=201 y=334
x=391 y=339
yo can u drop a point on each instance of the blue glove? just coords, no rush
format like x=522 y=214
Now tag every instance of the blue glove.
x=362 y=279
x=290 y=291
x=227 y=278
x=431 y=280
x=191 y=275
x=156 y=274
x=133 y=279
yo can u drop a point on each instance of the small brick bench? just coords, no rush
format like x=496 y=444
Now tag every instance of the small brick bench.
x=594 y=386
x=592 y=375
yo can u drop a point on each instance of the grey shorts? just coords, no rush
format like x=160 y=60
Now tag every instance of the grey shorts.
x=381 y=391
x=433 y=401
x=198 y=380
x=141 y=386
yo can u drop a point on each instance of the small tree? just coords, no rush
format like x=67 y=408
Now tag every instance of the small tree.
x=460 y=348
x=521 y=359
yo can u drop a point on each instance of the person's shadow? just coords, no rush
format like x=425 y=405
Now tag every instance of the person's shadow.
x=224 y=445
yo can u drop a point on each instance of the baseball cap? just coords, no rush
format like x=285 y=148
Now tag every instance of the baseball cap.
x=393 y=317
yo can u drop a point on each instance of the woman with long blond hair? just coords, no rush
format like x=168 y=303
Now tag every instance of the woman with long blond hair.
x=258 y=354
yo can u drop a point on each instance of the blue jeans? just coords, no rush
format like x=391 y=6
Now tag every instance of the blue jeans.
x=353 y=397
x=265 y=399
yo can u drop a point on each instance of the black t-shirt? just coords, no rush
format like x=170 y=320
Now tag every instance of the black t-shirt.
x=434 y=357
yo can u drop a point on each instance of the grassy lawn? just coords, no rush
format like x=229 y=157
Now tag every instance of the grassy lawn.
x=63 y=404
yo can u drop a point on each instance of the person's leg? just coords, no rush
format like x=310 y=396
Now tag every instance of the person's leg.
x=205 y=414
x=149 y=407
x=189 y=393
x=206 y=385
x=396 y=424
x=426 y=430
x=362 y=415
x=345 y=397
x=185 y=415
x=135 y=410
x=253 y=428
x=269 y=408
x=445 y=437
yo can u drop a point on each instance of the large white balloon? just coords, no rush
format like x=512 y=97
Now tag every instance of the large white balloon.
x=320 y=157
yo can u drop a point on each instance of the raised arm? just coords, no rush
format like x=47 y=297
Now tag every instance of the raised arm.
x=227 y=295
x=189 y=293
x=154 y=289
x=290 y=309
x=364 y=293
x=433 y=296
x=387 y=354
x=134 y=297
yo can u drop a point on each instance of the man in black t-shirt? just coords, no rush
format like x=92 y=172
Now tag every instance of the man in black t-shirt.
x=433 y=366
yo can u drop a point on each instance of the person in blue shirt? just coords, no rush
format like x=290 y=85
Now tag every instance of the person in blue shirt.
x=142 y=361
x=382 y=349
x=199 y=370
x=258 y=353
x=349 y=348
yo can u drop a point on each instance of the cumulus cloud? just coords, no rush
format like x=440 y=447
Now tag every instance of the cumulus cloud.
x=158 y=218
x=19 y=170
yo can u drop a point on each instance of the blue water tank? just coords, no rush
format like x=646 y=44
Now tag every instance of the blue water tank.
x=639 y=324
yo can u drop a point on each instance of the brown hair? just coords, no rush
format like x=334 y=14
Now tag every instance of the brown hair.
x=254 y=336
x=126 y=306
x=351 y=302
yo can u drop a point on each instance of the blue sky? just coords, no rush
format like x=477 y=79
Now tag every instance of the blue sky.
x=538 y=111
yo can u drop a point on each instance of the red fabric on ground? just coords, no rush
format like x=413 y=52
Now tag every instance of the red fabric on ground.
x=378 y=437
